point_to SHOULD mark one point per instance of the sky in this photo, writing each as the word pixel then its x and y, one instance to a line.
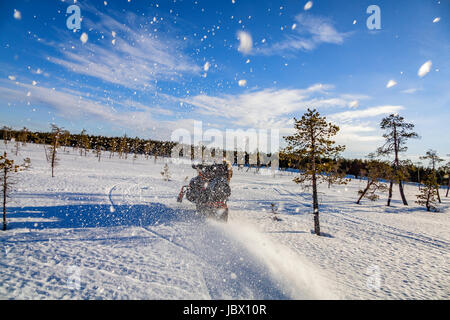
pixel 149 68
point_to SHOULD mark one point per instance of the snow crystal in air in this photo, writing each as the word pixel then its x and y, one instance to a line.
pixel 17 14
pixel 354 21
pixel 354 104
pixel 12 78
pixel 436 20
pixel 84 37
pixel 294 26
pixel 391 83
pixel 113 34
pixel 242 83
pixel 113 41
pixel 34 83
pixel 245 42
pixel 424 69
pixel 308 5
pixel 206 66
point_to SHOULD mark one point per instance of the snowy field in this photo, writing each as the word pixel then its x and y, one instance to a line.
pixel 113 230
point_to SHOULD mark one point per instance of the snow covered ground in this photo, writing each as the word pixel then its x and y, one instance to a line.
pixel 113 230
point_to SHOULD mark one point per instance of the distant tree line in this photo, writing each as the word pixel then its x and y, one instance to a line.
pixel 85 142
pixel 122 146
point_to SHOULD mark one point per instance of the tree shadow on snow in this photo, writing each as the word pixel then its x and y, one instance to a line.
pixel 95 215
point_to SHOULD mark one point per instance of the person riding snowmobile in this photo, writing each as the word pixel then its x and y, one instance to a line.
pixel 210 189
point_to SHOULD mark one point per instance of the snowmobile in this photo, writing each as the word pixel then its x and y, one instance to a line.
pixel 209 190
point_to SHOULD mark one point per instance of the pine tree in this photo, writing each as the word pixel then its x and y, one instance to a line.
pixel 428 193
pixel 333 173
pixel 7 167
pixel 6 134
pixel 434 160
pixel 56 136
pixel 313 142
pixel 398 132
pixel 165 173
pixel 113 147
pixel 376 171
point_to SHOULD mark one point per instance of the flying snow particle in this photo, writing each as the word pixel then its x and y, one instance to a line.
pixel 17 14
pixel 424 69
pixel 105 3
pixel 113 34
pixel 113 42
pixel 111 209
pixel 263 41
pixel 437 19
pixel 84 37
pixel 308 5
pixel 28 93
pixel 353 104
pixel 233 275
pixel 248 61
pixel 34 83
pixel 294 26
pixel 12 78
pixel 391 83
pixel 354 21
pixel 242 83
pixel 245 42
pixel 206 66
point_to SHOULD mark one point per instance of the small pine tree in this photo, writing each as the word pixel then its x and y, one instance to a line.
pixel 165 173
pixel 376 170
pixel 6 134
pixel 428 193
pixel 56 136
pixel 7 167
pixel 434 160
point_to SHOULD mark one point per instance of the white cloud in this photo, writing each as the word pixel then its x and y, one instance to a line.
pixel 366 113
pixel 77 106
pixel 391 83
pixel 268 108
pixel 411 90
pixel 136 60
pixel 311 31
pixel 245 42
pixel 425 68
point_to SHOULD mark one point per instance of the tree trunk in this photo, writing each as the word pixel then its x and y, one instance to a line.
pixel 448 187
pixel 5 174
pixel 428 200
pixel 364 192
pixel 438 195
pixel 315 203
pixel 391 183
pixel 400 186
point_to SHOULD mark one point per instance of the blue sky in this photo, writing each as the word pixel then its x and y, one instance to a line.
pixel 151 67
